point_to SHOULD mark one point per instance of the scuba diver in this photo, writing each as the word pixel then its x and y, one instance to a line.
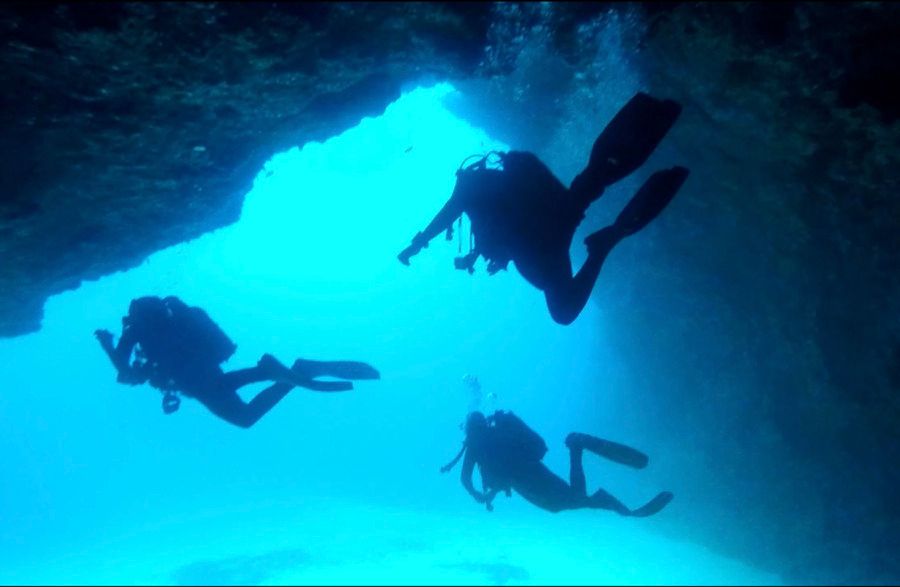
pixel 521 212
pixel 178 348
pixel 508 454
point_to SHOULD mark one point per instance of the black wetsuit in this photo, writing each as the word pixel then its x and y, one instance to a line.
pixel 171 357
pixel 501 471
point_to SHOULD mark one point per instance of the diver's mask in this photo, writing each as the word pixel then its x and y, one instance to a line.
pixel 489 160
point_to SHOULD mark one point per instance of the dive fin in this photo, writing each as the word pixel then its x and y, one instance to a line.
pixel 274 369
pixel 651 199
pixel 627 141
pixel 325 385
pixel 341 369
pixel 654 505
pixel 602 241
pixel 608 449
pixel 278 372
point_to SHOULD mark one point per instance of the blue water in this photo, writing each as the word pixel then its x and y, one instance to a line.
pixel 99 486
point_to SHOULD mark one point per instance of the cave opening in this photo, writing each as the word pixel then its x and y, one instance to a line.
pixel 310 270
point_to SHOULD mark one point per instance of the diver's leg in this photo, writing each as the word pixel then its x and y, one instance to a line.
pixel 233 380
pixel 576 469
pixel 601 499
pixel 543 488
pixel 231 408
pixel 266 400
pixel 567 295
pixel 548 267
pixel 608 449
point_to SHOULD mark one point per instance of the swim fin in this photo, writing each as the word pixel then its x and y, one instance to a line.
pixel 325 385
pixel 608 449
pixel 654 505
pixel 626 142
pixel 278 372
pixel 651 199
pixel 274 369
pixel 340 369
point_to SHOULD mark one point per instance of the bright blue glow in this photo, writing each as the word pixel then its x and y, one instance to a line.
pixel 102 487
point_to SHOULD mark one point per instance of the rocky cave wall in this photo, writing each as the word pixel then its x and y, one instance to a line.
pixel 759 316
pixel 136 126
pixel 131 127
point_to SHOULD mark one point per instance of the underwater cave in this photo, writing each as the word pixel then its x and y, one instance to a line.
pixel 267 162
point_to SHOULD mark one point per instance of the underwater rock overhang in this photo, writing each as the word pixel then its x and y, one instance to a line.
pixel 135 126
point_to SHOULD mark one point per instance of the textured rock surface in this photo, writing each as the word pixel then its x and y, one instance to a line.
pixel 137 126
pixel 760 314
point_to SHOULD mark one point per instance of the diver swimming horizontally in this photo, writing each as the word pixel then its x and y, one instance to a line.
pixel 508 454
pixel 521 212
pixel 178 348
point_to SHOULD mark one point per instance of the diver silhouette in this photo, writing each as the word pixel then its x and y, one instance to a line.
pixel 521 212
pixel 178 348
pixel 508 454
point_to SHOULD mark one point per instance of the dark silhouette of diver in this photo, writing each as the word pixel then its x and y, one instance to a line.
pixel 521 212
pixel 508 454
pixel 178 348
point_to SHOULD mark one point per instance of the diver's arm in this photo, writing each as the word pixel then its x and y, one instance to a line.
pixel 120 354
pixel 468 468
pixel 442 221
pixel 489 499
pixel 116 353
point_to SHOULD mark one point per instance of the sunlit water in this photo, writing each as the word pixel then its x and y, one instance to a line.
pixel 98 485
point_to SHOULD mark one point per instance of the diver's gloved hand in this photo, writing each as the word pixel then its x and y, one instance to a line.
pixel 489 500
pixel 406 253
pixel 418 243
pixel 486 498
pixel 104 336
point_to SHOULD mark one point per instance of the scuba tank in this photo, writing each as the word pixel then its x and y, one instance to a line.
pixel 492 160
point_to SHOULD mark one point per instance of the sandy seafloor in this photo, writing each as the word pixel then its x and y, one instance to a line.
pixel 323 541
